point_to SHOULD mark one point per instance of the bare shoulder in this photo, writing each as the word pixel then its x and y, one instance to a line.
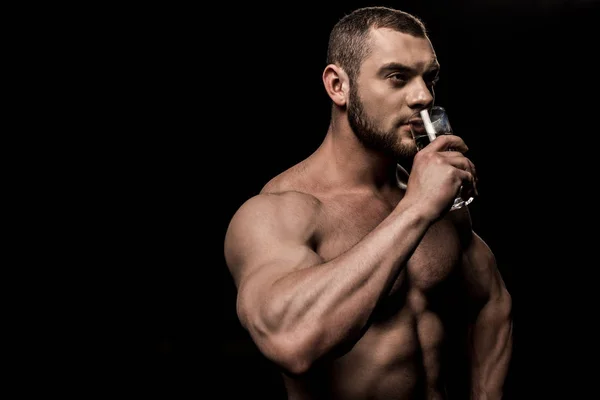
pixel 472 243
pixel 461 219
pixel 284 202
pixel 479 267
pixel 284 211
pixel 268 223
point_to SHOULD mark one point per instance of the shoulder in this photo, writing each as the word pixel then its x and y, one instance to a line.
pixel 276 207
pixel 479 267
pixel 288 214
pixel 461 219
pixel 270 226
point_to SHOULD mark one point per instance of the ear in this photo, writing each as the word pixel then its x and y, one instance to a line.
pixel 336 84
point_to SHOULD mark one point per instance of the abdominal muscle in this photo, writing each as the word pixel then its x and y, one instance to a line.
pixel 397 358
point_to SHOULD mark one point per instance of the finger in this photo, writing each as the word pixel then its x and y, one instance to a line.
pixel 457 155
pixel 447 142
pixel 461 163
pixel 468 183
pixel 451 153
pixel 473 171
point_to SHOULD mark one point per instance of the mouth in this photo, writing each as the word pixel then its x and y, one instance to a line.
pixel 415 122
pixel 415 126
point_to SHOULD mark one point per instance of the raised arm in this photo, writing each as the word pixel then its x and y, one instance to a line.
pixel 296 307
pixel 491 331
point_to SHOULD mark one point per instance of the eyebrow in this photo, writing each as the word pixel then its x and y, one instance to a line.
pixel 395 66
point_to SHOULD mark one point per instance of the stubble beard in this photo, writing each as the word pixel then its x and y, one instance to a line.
pixel 369 134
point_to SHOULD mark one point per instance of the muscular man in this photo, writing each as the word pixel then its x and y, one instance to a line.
pixel 353 276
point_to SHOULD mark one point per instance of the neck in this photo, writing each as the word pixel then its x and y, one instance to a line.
pixel 344 159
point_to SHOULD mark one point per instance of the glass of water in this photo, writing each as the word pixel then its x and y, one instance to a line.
pixel 434 122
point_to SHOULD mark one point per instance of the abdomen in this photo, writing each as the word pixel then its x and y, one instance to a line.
pixel 398 357
pixel 395 359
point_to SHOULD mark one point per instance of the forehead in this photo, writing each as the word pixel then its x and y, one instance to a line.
pixel 390 46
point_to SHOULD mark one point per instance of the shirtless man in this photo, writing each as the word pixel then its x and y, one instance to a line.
pixel 353 276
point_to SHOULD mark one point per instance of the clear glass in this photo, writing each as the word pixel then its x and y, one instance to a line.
pixel 427 128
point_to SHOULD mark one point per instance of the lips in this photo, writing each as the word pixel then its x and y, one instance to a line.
pixel 415 122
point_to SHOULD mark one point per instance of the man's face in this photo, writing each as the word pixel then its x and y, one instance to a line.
pixel 394 82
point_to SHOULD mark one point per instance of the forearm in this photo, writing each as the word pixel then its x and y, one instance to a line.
pixel 491 349
pixel 328 305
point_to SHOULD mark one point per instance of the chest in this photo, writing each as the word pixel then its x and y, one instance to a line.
pixel 347 222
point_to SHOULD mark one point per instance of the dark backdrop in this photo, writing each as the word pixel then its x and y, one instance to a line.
pixel 227 96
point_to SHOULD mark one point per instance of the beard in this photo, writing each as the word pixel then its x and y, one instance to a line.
pixel 372 137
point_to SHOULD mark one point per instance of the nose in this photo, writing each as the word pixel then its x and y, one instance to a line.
pixel 420 96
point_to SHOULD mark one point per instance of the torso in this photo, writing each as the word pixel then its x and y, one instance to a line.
pixel 398 357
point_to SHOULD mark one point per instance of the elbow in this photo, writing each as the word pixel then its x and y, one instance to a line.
pixel 290 348
pixel 293 351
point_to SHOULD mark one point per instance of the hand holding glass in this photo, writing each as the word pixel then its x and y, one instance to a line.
pixel 435 123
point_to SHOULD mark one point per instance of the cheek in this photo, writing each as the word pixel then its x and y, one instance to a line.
pixel 374 96
pixel 381 110
pixel 381 106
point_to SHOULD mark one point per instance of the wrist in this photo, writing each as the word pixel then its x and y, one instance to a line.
pixel 417 210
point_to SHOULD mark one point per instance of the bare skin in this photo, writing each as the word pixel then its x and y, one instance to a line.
pixel 347 278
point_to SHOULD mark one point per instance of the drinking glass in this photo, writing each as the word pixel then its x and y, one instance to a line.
pixel 433 123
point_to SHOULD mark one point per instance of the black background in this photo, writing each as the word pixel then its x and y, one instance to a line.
pixel 223 97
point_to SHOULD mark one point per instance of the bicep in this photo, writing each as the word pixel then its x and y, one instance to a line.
pixel 267 239
pixel 482 278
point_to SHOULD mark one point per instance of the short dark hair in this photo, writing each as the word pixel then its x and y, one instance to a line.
pixel 348 45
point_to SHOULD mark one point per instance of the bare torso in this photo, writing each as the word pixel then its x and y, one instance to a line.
pixel 399 355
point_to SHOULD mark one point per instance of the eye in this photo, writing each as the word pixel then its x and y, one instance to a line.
pixel 431 79
pixel 398 79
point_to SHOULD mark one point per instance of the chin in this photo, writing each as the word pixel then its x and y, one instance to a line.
pixel 405 149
